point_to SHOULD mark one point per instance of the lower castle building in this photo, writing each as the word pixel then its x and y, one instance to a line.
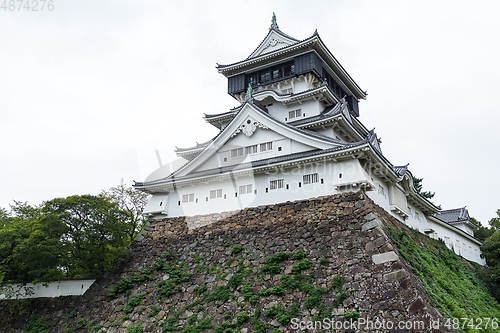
pixel 294 136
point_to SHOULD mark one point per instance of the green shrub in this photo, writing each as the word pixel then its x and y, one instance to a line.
pixel 324 262
pixel 168 254
pixel 352 316
pixel 259 326
pixel 235 281
pixel 237 249
pixel 227 315
pixel 82 323
pixel 276 290
pixel 199 290
pixel 299 254
pixel 242 317
pixel 303 264
pixel 221 293
pixel 272 268
pixel 134 329
pixel 154 311
pixel 277 257
pixel 166 289
pixel 192 319
pixel 338 282
pixel 38 325
pixel 128 309
pixel 341 298
pixel 134 301
pixel 271 312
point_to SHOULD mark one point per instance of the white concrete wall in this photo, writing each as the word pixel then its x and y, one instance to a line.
pixel 287 145
pixel 328 172
pixel 308 108
pixel 51 289
pixel 461 244
pixel 417 220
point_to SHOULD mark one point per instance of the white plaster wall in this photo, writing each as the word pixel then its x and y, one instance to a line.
pixel 277 110
pixel 446 233
pixel 327 131
pixel 299 86
pixel 460 244
pixel 287 145
pixel 260 182
pixel 157 204
pixel 52 289
pixel 465 228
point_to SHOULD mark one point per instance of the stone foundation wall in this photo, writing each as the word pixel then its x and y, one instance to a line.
pixel 347 230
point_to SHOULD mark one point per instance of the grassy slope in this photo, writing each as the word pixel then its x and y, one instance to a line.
pixel 452 283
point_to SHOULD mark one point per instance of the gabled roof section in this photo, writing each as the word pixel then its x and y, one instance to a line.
pixel 258 115
pixel 312 43
pixel 454 215
pixel 274 40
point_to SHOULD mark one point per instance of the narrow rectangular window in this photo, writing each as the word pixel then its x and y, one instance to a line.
pixel 236 152
pixel 215 194
pixel 294 114
pixel 276 184
pixel 188 198
pixel 311 178
pixel 251 150
pixel 266 146
pixel 245 189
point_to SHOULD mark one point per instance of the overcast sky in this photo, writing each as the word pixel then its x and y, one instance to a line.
pixel 90 90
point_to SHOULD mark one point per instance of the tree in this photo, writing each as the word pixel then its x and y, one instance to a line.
pixel 495 222
pixel 29 247
pixel 96 233
pixel 491 252
pixel 131 201
pixel 417 182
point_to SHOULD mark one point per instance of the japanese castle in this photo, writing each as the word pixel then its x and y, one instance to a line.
pixel 295 135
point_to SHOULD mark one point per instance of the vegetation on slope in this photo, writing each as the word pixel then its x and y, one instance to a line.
pixel 453 284
pixel 239 286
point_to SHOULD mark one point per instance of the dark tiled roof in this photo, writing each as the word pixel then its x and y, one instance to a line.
pixel 453 215
pixel 208 116
pixel 326 113
pixel 400 170
pixel 264 162
pixel 198 145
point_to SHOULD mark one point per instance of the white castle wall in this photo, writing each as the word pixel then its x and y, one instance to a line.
pixel 50 289
pixel 461 244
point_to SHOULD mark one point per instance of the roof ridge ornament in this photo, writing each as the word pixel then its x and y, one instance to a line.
pixel 274 23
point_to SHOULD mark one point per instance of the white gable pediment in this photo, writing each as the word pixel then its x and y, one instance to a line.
pixel 273 41
pixel 251 127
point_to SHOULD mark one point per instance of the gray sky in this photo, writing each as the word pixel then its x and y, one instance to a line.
pixel 89 90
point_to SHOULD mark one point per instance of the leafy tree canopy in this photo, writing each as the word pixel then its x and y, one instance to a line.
pixel 77 236
pixel 131 201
